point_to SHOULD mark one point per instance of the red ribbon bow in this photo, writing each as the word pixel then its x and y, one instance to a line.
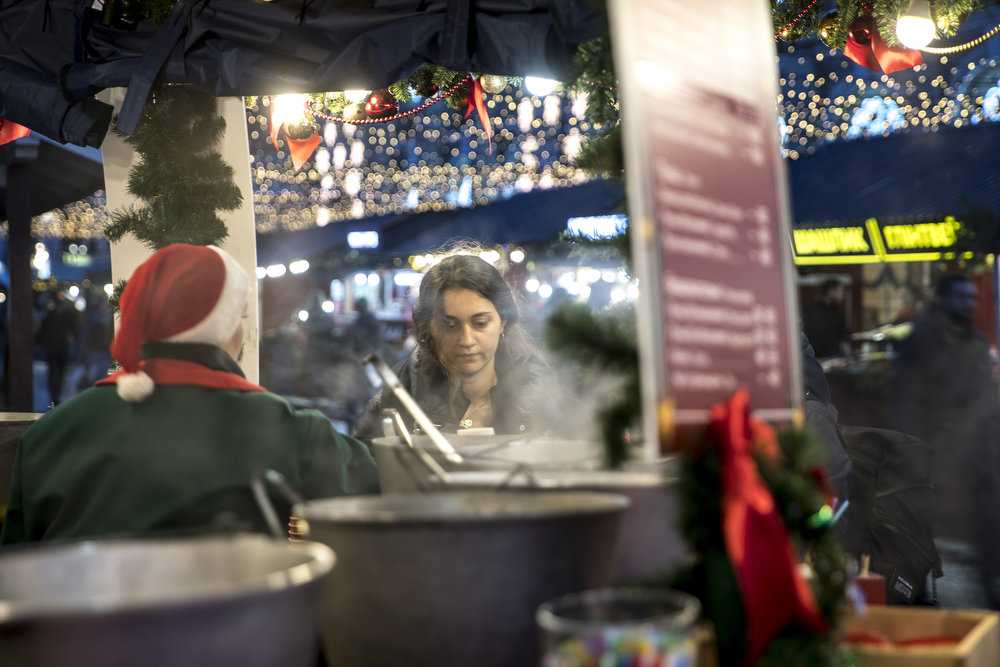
pixel 877 55
pixel 300 150
pixel 476 102
pixel 10 131
pixel 774 591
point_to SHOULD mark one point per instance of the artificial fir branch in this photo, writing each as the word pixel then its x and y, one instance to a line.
pixel 613 248
pixel 115 297
pixel 796 484
pixel 593 72
pixel 602 155
pixel 793 21
pixel 797 489
pixel 179 126
pixel 948 15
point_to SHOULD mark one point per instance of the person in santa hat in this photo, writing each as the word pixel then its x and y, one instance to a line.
pixel 169 444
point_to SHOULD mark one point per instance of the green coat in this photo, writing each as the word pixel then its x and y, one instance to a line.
pixel 178 461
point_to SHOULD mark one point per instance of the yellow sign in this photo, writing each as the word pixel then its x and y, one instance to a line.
pixel 873 242
pixel 927 235
pixel 834 240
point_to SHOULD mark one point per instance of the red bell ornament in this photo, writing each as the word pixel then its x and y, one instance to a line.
pixel 381 104
pixel 862 29
pixel 426 90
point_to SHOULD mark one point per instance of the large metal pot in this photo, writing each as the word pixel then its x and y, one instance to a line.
pixel 454 578
pixel 244 600
pixel 12 425
pixel 401 470
pixel 650 541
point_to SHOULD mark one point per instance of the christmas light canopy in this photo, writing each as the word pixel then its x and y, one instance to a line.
pixel 915 28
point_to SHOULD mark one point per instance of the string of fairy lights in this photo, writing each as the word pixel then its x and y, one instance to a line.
pixel 427 162
pixel 826 97
pixel 820 104
pixel 436 159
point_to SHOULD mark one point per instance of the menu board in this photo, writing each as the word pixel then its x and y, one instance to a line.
pixel 706 186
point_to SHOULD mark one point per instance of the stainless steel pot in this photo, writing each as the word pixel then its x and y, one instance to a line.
pixel 650 542
pixel 401 471
pixel 12 425
pixel 454 578
pixel 244 600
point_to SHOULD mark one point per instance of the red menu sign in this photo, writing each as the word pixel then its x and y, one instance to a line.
pixel 709 208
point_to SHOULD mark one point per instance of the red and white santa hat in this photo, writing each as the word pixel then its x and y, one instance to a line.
pixel 182 294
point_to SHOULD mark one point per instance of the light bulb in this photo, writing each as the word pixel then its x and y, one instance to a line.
pixel 915 28
pixel 289 109
pixel 538 86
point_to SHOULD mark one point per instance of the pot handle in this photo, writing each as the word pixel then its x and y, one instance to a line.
pixel 520 468
pixel 258 484
pixel 438 474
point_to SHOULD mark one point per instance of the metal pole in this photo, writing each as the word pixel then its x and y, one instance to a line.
pixel 20 377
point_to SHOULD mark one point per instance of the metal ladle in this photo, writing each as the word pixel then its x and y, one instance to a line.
pixel 428 427
pixel 445 447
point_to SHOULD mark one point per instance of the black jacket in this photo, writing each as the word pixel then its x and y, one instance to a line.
pixel 524 399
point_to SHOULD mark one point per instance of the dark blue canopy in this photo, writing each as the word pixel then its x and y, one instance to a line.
pixel 918 175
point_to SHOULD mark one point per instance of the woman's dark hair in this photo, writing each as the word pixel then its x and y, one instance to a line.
pixel 462 271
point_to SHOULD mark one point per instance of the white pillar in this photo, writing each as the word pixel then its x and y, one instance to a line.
pixel 241 243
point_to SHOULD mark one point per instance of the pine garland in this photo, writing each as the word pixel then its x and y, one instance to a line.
pixel 179 175
pixel 613 248
pixel 800 498
pixel 948 15
pixel 602 155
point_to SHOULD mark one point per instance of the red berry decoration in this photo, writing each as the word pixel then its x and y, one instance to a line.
pixel 862 30
pixel 381 104
pixel 426 90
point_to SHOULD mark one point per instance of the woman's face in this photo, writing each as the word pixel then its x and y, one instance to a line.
pixel 468 332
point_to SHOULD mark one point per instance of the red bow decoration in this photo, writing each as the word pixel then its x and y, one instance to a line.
pixel 872 51
pixel 10 131
pixel 774 592
pixel 300 150
pixel 476 102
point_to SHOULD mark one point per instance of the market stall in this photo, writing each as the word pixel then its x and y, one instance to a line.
pixel 707 386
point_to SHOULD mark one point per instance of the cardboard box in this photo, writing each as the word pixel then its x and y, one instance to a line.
pixel 978 646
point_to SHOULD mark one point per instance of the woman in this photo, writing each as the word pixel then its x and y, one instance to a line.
pixel 473 366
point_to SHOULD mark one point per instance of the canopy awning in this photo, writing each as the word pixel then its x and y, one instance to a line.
pixel 917 176
pixel 239 48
